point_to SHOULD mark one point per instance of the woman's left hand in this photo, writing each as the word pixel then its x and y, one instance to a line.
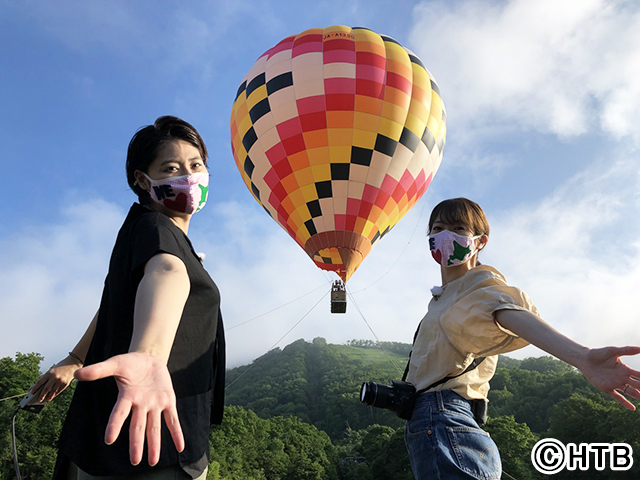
pixel 56 380
pixel 604 369
pixel 145 391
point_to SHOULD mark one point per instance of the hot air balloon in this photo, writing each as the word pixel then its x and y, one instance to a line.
pixel 337 133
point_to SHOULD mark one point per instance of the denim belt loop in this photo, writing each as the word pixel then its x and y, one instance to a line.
pixel 440 400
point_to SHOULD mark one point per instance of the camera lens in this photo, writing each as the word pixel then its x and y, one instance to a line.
pixel 376 395
pixel 399 397
pixel 368 392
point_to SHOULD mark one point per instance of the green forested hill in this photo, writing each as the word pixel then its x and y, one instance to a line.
pixel 294 414
pixel 319 383
pixel 529 399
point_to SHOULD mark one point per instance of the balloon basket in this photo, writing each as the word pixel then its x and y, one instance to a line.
pixel 338 297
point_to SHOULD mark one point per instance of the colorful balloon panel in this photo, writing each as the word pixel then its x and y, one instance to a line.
pixel 337 133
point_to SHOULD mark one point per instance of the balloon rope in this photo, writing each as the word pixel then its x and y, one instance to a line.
pixel 374 333
pixel 277 308
pixel 14 396
pixel 424 204
pixel 281 338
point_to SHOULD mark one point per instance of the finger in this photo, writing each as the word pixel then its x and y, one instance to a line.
pixel 49 391
pixel 53 393
pixel 153 436
pixel 97 371
pixel 173 424
pixel 633 382
pixel 119 414
pixel 41 381
pixel 634 374
pixel 40 389
pixel 623 401
pixel 631 392
pixel 57 389
pixel 136 435
pixel 628 350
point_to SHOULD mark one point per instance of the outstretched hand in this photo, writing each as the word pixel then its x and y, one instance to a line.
pixel 56 380
pixel 604 369
pixel 145 391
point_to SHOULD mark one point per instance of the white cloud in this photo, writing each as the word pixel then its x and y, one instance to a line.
pixel 52 278
pixel 568 252
pixel 577 253
pixel 564 68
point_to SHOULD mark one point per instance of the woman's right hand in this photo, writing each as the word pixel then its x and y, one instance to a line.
pixel 145 393
pixel 54 382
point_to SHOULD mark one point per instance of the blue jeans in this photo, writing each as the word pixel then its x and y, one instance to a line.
pixel 446 443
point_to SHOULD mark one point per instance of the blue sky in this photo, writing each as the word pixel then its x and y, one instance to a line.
pixel 543 109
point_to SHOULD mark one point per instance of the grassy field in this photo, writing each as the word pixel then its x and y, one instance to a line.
pixel 374 356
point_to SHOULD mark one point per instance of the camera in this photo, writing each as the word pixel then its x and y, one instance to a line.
pixel 479 410
pixel 30 402
pixel 399 397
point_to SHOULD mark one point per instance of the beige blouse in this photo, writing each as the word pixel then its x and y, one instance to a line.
pixel 460 326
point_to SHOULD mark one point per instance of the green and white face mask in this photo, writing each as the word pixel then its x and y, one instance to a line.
pixel 184 194
pixel 450 249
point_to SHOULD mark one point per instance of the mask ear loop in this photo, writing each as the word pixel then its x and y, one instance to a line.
pixel 137 184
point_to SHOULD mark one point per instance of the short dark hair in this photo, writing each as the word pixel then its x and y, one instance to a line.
pixel 461 210
pixel 148 141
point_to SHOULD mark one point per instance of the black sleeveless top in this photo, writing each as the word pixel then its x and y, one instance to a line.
pixel 196 362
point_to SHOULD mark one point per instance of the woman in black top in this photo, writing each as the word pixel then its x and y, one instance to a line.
pixel 155 348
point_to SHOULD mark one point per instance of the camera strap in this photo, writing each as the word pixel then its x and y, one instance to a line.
pixel 406 369
pixel 474 364
pixel 476 361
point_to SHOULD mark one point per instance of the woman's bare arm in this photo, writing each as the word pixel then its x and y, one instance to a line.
pixel 144 383
pixel 601 366
pixel 60 376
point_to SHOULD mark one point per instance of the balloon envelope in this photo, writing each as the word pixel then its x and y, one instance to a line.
pixel 337 133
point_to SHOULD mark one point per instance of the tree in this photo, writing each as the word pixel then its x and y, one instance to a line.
pixel 247 447
pixel 515 441
pixel 316 382
pixel 546 364
pixel 36 434
pixel 352 464
pixel 594 419
pixel 311 455
pixel 530 395
pixel 237 444
pixel 376 453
